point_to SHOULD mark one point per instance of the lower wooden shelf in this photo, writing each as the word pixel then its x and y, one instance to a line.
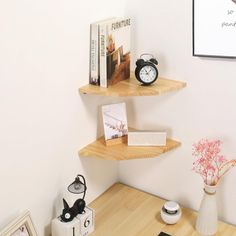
pixel 123 151
pixel 126 211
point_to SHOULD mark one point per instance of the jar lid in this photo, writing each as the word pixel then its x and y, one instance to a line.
pixel 171 206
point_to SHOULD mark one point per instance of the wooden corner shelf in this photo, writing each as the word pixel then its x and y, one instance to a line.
pixel 132 87
pixel 125 88
pixel 124 152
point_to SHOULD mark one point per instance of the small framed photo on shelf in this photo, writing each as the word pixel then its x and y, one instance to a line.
pixel 21 226
pixel 115 123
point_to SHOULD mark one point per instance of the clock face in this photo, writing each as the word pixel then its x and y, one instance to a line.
pixel 148 74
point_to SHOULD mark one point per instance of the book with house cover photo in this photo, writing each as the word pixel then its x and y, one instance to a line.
pixel 114 51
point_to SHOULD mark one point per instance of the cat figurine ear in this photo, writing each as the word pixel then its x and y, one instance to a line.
pixel 65 204
pixel 67 213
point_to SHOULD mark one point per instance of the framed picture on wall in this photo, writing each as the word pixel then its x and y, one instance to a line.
pixel 21 226
pixel 214 28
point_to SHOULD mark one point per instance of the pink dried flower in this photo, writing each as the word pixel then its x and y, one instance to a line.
pixel 208 161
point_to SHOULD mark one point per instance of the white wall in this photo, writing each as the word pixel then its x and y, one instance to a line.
pixel 205 108
pixel 44 56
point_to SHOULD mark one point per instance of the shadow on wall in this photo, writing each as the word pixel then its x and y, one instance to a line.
pixel 97 179
pixel 47 229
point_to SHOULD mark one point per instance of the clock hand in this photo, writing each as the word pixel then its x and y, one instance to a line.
pixel 150 76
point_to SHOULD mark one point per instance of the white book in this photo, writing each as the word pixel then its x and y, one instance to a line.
pixel 114 51
pixel 102 61
pixel 94 46
pixel 94 65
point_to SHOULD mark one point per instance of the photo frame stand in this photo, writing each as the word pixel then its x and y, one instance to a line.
pixel 115 141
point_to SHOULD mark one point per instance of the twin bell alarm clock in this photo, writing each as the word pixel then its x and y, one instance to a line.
pixel 146 71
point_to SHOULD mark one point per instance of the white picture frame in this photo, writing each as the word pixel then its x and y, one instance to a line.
pixel 21 226
pixel 114 121
pixel 214 28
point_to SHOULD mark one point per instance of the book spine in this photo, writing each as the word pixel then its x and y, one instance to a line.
pixel 102 62
pixel 94 63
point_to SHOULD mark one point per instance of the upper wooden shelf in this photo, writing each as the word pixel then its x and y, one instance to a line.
pixel 132 87
pixel 124 152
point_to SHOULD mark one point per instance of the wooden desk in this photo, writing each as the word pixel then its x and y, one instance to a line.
pixel 125 211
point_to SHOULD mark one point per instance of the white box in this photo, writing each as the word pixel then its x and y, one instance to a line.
pixel 146 138
pixel 86 221
pixel 81 225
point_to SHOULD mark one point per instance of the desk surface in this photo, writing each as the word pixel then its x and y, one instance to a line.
pixel 125 211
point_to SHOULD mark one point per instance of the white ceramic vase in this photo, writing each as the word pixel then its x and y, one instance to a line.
pixel 207 220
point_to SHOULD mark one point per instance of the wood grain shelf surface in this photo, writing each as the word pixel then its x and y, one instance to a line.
pixel 132 87
pixel 126 211
pixel 124 152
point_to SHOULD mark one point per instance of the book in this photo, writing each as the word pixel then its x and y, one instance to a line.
pixel 94 69
pixel 114 120
pixel 94 46
pixel 114 51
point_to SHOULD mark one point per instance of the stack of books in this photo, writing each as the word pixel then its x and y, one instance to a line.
pixel 109 51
